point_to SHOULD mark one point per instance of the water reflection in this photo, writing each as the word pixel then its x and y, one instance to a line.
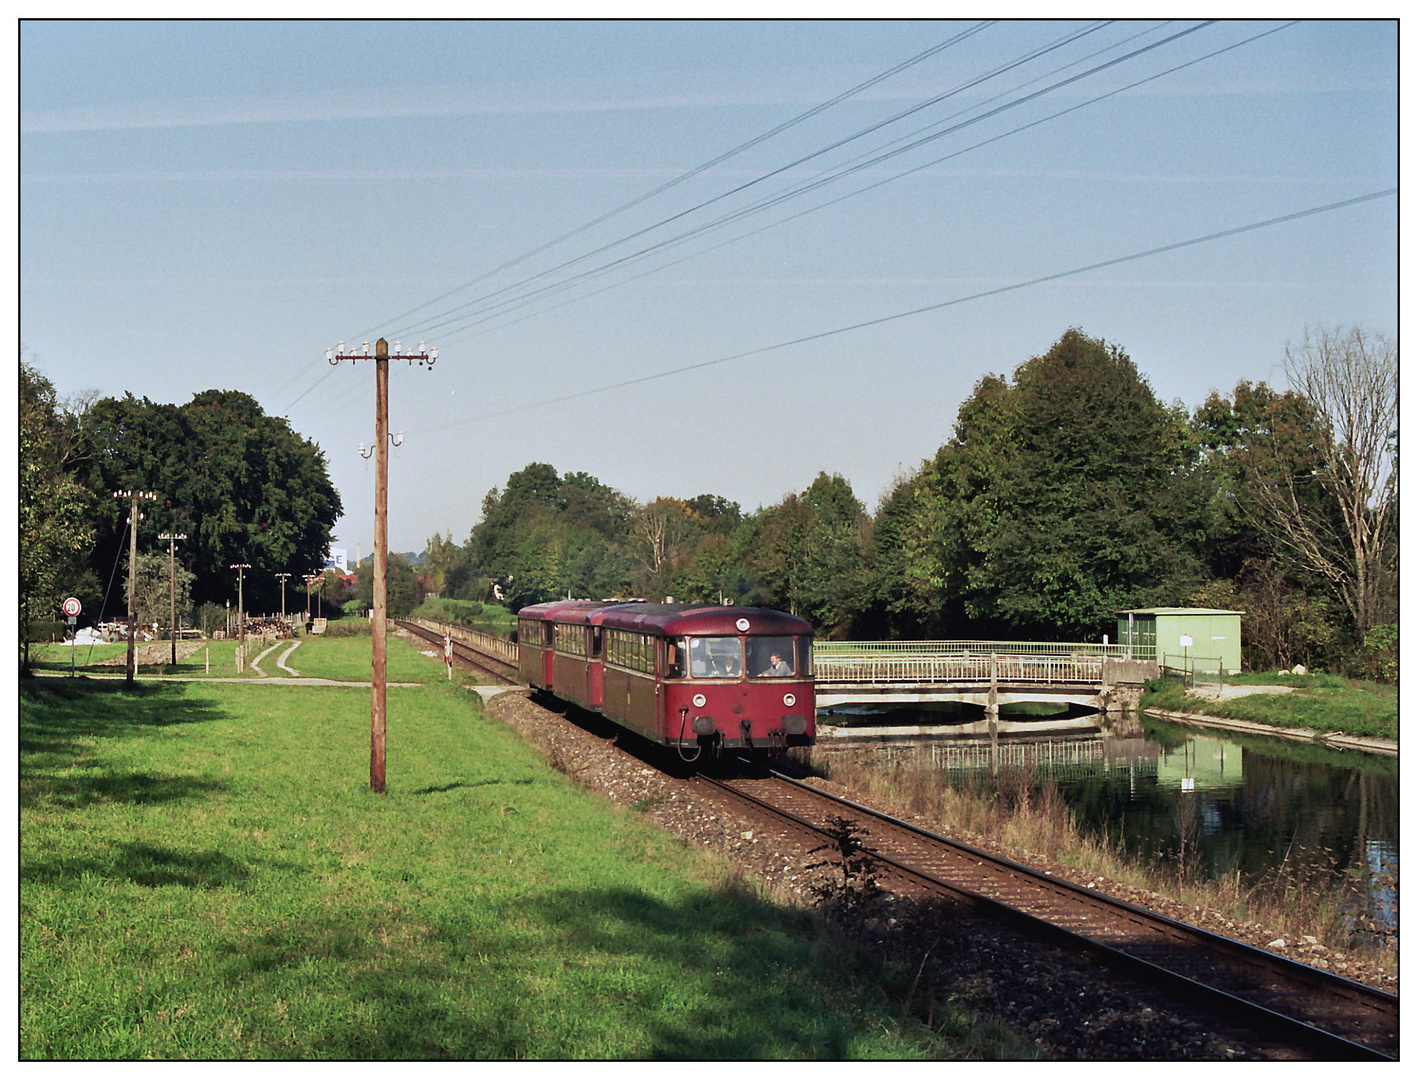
pixel 1289 816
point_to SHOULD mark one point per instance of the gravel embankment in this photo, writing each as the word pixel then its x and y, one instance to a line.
pixel 1065 1008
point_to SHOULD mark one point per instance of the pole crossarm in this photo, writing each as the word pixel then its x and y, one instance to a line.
pixel 425 356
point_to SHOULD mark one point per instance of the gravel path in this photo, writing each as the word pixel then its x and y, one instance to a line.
pixel 1064 1008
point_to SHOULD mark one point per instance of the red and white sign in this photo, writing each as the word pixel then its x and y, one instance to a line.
pixel 72 606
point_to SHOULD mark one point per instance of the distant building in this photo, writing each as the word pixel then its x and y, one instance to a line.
pixel 339 558
pixel 1177 633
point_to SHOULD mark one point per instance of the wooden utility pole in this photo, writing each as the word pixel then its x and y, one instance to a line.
pixel 133 497
pixel 379 624
pixel 381 563
pixel 240 569
pixel 172 539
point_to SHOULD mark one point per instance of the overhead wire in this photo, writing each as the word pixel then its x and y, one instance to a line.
pixel 718 159
pixel 698 169
pixel 823 180
pixel 891 179
pixel 928 308
pixel 451 316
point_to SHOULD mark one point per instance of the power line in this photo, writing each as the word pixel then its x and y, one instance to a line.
pixel 451 316
pixel 823 180
pixel 718 160
pixel 1135 256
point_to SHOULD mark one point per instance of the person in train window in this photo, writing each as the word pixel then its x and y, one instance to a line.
pixel 777 665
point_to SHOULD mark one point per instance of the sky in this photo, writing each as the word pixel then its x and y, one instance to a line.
pixel 686 257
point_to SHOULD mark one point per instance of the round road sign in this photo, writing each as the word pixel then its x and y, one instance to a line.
pixel 72 606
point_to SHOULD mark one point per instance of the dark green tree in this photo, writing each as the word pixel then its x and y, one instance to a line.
pixel 1066 494
pixel 241 485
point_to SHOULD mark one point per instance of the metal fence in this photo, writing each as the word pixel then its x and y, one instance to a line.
pixel 1196 672
pixel 487 644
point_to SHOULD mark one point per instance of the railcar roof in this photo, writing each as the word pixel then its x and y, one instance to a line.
pixel 561 610
pixel 677 619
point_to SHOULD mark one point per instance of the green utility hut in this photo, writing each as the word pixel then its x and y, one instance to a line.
pixel 1177 632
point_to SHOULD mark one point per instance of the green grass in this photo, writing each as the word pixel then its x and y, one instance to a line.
pixel 1325 703
pixel 344 659
pixel 205 874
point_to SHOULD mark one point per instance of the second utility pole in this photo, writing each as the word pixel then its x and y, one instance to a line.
pixel 381 563
pixel 379 623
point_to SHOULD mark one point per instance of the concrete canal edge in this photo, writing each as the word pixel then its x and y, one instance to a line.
pixel 1332 739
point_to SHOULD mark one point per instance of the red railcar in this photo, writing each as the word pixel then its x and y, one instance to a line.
pixel 692 676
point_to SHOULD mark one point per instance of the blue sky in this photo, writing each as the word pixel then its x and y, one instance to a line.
pixel 215 204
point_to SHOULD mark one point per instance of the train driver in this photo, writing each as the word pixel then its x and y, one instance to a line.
pixel 777 665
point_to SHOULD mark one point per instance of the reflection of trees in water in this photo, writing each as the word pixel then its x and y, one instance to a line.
pixel 1292 831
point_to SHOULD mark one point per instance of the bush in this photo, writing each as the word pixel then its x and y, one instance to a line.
pixel 1377 658
pixel 449 610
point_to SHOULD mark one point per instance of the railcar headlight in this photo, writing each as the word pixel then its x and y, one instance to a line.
pixel 699 700
pixel 790 700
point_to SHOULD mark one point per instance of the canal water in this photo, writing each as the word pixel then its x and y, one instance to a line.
pixel 1215 805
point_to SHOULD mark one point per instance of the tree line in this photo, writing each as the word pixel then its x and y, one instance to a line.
pixel 240 486
pixel 1066 492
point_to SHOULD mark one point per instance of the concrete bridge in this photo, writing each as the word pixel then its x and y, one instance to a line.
pixel 1108 678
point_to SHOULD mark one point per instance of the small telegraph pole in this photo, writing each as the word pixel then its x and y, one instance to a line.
pixel 283 595
pixel 381 358
pixel 133 496
pixel 172 539
pixel 240 569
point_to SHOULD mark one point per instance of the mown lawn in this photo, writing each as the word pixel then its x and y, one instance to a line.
pixel 204 874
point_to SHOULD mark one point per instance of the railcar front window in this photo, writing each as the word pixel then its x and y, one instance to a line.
pixel 715 658
pixel 772 657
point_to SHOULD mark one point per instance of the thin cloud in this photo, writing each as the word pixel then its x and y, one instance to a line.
pixel 353 104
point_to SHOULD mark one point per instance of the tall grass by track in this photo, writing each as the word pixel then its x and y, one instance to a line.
pixel 204 874
pixel 1019 813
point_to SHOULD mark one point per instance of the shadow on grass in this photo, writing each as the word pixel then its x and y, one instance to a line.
pixel 144 864
pixel 60 719
pixel 54 712
pixel 475 784
pixel 606 974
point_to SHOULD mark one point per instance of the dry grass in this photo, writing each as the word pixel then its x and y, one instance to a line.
pixel 1030 817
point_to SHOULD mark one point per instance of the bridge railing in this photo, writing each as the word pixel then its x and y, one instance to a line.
pixel 1024 648
pixel 964 665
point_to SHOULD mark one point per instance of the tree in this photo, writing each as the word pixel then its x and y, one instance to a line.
pixel 54 531
pixel 241 485
pixel 808 555
pixel 153 592
pixel 1350 378
pixel 1065 494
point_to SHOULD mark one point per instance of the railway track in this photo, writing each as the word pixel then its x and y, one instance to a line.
pixel 463 655
pixel 1279 1002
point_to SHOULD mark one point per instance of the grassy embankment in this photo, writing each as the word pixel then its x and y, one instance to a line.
pixel 1323 703
pixel 204 874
